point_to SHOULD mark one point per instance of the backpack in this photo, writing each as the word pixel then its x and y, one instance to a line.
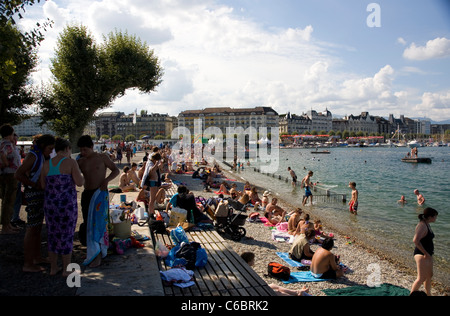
pixel 278 271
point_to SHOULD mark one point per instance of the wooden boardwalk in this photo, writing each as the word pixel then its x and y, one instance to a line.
pixel 226 273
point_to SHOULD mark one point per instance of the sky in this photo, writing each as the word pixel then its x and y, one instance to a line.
pixel 347 56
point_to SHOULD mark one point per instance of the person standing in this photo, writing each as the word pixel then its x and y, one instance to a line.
pixel 29 174
pixel 294 176
pixel 354 201
pixel 420 197
pixel 93 166
pixel 306 183
pixel 60 176
pixel 424 250
pixel 151 180
pixel 9 163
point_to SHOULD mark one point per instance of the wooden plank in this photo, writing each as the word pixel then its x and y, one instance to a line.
pixel 225 274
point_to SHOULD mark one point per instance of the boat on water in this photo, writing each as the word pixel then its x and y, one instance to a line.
pixel 414 144
pixel 417 160
pixel 321 152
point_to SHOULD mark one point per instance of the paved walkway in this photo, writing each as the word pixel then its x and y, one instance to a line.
pixel 135 273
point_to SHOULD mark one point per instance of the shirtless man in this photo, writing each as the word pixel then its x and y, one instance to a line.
pixel 324 263
pixel 306 183
pixel 420 197
pixel 93 166
pixel 354 201
pixel 293 175
pixel 274 213
pixel 124 182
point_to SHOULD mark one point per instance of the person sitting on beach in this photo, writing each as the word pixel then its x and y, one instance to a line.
pixel 300 249
pixel 319 231
pixel 304 225
pixel 133 176
pixel 274 213
pixel 247 187
pixel 124 183
pixel 224 188
pixel 234 192
pixel 293 221
pixel 324 264
pixel 265 199
pixel 402 200
pixel 420 197
pixel 254 196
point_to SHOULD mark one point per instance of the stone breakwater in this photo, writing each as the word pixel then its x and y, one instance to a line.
pixel 366 266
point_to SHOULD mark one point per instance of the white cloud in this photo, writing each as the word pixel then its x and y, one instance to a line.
pixel 435 105
pixel 401 41
pixel 437 48
pixel 212 57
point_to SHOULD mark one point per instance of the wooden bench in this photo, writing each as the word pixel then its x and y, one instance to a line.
pixel 225 274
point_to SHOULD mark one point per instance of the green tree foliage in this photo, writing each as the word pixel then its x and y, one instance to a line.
pixel 9 10
pixel 18 60
pixel 87 77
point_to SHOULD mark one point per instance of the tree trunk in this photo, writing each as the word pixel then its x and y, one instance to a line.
pixel 73 138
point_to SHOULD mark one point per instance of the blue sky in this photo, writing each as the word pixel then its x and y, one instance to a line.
pixel 293 55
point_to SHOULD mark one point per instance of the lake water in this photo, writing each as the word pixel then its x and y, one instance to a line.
pixel 381 180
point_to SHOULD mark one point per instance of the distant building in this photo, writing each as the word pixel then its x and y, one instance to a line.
pixel 294 124
pixel 30 127
pixel 224 117
pixel 117 123
pixel 362 123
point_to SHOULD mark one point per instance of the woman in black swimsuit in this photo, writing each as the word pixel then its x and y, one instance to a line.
pixel 423 239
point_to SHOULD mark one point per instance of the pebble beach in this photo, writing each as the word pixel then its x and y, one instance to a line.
pixel 366 266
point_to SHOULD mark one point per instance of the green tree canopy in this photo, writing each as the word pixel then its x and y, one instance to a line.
pixel 87 77
pixel 18 60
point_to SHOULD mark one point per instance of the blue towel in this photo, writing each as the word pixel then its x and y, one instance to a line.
pixel 292 263
pixel 97 226
pixel 302 276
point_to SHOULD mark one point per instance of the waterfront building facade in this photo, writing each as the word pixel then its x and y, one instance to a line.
pixel 223 117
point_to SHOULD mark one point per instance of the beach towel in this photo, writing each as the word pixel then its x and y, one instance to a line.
pixel 302 276
pixel 288 260
pixel 97 226
pixel 281 236
pixel 384 290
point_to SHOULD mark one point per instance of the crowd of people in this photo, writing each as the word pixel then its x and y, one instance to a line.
pixel 46 179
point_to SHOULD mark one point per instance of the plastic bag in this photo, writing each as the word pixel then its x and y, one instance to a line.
pixel 178 235
pixel 177 216
pixel 161 249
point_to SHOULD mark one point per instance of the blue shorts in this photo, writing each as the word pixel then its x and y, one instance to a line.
pixel 308 192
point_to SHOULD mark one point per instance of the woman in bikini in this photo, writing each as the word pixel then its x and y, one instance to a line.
pixel 151 179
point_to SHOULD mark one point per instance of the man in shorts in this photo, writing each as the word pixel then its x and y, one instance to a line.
pixel 306 183
pixel 354 201
pixel 293 175
pixel 93 166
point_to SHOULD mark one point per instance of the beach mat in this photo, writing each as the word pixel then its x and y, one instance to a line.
pixel 384 290
pixel 288 260
pixel 302 276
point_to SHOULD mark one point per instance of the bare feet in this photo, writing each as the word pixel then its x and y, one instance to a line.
pixel 55 271
pixel 96 262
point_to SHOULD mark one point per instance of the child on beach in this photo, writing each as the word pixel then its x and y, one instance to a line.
pixel 354 201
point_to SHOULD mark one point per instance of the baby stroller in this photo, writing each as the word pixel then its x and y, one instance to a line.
pixel 229 219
